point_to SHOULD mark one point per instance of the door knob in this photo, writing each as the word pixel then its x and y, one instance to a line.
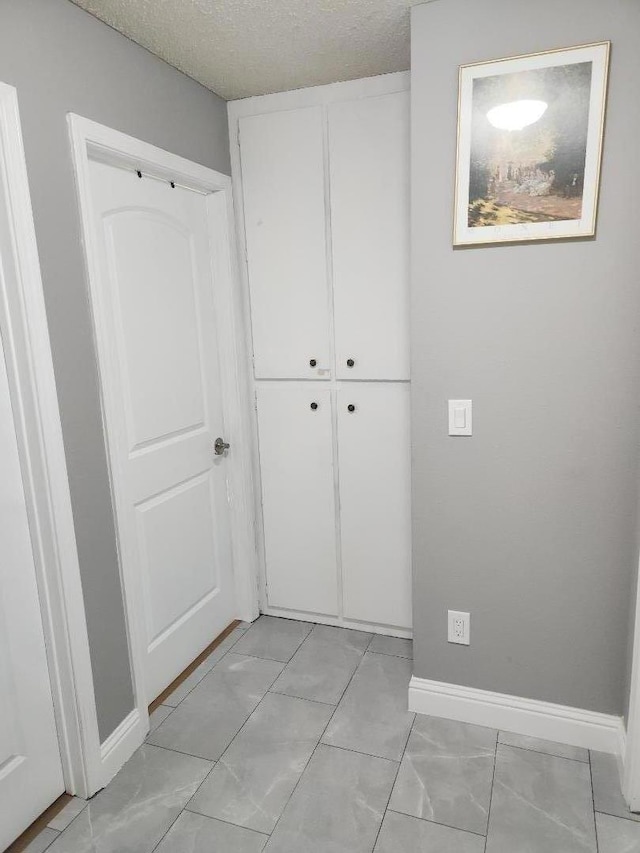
pixel 350 362
pixel 351 407
pixel 220 445
pixel 312 362
pixel 314 406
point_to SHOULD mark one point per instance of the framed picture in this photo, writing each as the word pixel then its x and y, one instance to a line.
pixel 529 146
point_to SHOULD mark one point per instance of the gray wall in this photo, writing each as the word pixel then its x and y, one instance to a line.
pixel 62 60
pixel 530 524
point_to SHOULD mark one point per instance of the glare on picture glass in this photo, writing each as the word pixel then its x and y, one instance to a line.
pixel 516 114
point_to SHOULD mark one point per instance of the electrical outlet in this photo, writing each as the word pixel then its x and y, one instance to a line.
pixel 459 627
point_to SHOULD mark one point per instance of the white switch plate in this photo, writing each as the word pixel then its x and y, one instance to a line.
pixel 459 627
pixel 460 417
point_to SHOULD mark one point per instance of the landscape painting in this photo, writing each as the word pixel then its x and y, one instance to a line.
pixel 529 146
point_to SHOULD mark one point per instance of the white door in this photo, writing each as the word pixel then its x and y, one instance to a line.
pixel 296 466
pixel 30 769
pixel 375 504
pixel 282 159
pixel 164 412
pixel 369 156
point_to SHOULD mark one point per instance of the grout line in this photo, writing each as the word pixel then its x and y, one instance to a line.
pixel 298 647
pixel 194 665
pixel 172 709
pixel 539 752
pixel 493 780
pixel 315 749
pixel 75 817
pixel 439 823
pixel 360 752
pixel 386 808
pixel 228 746
pixel 267 691
pixel 180 752
pixel 395 778
pixel 301 698
pixel 387 654
pixel 264 835
pixel 170 827
pixel 620 817
pixel 593 802
pixel 222 656
pixel 184 808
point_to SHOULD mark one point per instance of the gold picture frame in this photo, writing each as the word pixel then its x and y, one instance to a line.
pixel 529 146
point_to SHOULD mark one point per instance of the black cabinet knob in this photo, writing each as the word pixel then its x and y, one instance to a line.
pixel 351 407
pixel 312 362
pixel 314 406
pixel 350 362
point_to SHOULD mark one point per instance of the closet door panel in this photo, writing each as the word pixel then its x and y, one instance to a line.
pixel 369 175
pixel 375 511
pixel 296 459
pixel 282 157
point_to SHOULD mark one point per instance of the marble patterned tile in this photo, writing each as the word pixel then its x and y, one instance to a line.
pixel 212 714
pixel 273 638
pixel 157 717
pixel 403 834
pixel 338 805
pixel 64 817
pixel 255 777
pixel 137 807
pixel 322 667
pixel 372 716
pixel 396 646
pixel 540 803
pixel 617 835
pixel 446 774
pixel 549 747
pixel 42 841
pixel 183 690
pixel 607 795
pixel 193 833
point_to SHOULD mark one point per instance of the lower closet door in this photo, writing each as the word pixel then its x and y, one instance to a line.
pixel 296 464
pixel 375 503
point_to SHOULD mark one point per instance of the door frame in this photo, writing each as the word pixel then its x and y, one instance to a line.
pixel 93 141
pixel 44 472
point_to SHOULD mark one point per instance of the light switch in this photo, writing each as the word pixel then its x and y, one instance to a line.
pixel 460 417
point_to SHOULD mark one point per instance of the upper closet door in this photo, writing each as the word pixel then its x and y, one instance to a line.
pixel 369 159
pixel 282 160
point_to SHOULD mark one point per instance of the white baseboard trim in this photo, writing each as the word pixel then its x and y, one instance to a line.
pixel 560 723
pixel 121 744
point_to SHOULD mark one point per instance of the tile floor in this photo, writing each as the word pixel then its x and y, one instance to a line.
pixel 295 738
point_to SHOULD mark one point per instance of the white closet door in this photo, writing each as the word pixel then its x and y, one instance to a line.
pixel 375 510
pixel 296 459
pixel 369 157
pixel 282 161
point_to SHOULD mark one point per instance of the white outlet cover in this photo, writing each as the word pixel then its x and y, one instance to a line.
pixel 459 627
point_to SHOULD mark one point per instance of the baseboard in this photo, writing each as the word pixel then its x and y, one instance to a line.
pixel 121 744
pixel 574 726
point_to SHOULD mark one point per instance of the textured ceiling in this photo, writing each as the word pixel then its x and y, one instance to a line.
pixel 239 48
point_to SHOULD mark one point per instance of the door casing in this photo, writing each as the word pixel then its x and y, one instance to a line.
pixel 93 141
pixel 29 366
